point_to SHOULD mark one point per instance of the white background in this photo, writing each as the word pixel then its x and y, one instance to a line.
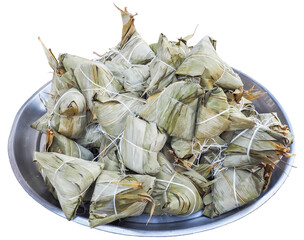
pixel 263 39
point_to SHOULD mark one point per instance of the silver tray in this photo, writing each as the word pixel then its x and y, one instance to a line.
pixel 24 140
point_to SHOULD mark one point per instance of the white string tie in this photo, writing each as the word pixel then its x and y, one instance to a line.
pixel 108 146
pixel 79 152
pixel 259 125
pixel 114 200
pixel 134 145
pixel 215 116
pixel 105 188
pixel 170 181
pixel 169 66
pixel 129 58
pixel 234 189
pixel 157 102
pixel 240 134
pixel 60 99
pixel 120 54
pixel 61 165
pixel 52 113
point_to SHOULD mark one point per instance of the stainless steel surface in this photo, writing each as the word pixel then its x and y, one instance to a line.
pixel 24 140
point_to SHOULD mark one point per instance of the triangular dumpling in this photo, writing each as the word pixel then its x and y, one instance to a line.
pixel 71 177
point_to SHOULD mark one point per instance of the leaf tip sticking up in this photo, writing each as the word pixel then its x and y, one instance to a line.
pixel 253 93
pixel 128 24
pixel 188 37
pixel 49 54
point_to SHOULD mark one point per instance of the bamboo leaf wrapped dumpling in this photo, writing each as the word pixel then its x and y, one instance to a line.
pixel 56 142
pixel 68 115
pixel 58 86
pixel 135 78
pixel 132 77
pixel 132 49
pixel 174 109
pixel 140 145
pixel 213 115
pixel 96 80
pixel 202 61
pixel 238 119
pixel 267 142
pixel 112 113
pixel 234 187
pixel 174 194
pixel 70 63
pixel 118 196
pixel 71 177
pixel 169 57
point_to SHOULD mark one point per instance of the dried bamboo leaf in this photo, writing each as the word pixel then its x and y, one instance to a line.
pixel 67 115
pixel 96 80
pixel 93 138
pixel 140 145
pixel 266 143
pixel 233 188
pixel 56 142
pixel 204 62
pixel 238 120
pixel 174 109
pixel 212 118
pixel 169 57
pixel 113 112
pixel 118 196
pixel 110 160
pixel 174 194
pixel 71 177
pixel 184 148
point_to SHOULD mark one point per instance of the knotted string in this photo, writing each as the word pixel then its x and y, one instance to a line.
pixel 205 147
pixel 109 145
pixel 113 140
